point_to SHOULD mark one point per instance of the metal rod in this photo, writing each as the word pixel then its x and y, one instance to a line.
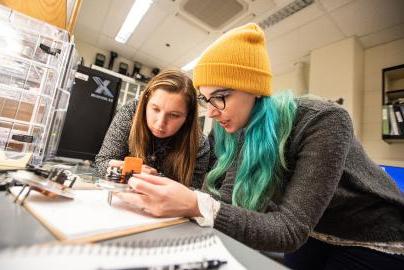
pixel 110 197
pixel 26 196
pixel 72 182
pixel 22 189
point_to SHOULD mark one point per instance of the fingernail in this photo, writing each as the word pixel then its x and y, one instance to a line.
pixel 133 183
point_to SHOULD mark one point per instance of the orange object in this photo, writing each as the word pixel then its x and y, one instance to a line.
pixel 132 165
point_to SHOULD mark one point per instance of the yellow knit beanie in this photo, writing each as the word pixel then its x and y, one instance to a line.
pixel 237 60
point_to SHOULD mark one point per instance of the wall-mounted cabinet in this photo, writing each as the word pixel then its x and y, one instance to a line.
pixel 393 104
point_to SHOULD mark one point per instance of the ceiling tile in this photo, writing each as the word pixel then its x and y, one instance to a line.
pixel 180 35
pixel 86 34
pixel 363 17
pixel 92 14
pixel 260 7
pixel 384 36
pixel 154 19
pixel 168 6
pixel 249 17
pixel 115 17
pixel 294 21
pixel 194 52
pixel 330 5
pixel 285 48
pixel 282 3
pixel 318 33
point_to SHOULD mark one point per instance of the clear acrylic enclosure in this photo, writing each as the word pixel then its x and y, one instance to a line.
pixel 37 64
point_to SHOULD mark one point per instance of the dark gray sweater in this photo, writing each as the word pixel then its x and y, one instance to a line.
pixel 115 146
pixel 332 187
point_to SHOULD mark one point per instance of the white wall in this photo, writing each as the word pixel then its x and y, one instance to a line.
pixel 344 69
pixel 375 59
pixel 295 80
pixel 336 71
pixel 88 52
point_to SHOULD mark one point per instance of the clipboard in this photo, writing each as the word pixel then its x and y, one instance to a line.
pixel 89 218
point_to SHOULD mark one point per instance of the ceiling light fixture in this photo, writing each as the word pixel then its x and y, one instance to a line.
pixel 190 65
pixel 285 12
pixel 135 15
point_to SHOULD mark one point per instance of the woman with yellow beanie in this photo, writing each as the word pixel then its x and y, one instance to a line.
pixel 287 174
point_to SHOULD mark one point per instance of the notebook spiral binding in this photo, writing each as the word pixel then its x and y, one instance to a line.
pixel 120 248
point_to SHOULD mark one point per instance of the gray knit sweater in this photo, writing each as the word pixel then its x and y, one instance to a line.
pixel 115 146
pixel 332 187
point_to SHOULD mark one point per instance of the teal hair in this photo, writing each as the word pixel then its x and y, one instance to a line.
pixel 262 153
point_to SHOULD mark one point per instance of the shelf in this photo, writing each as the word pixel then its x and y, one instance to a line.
pixel 32 62
pixel 393 138
pixel 390 162
pixel 394 96
pixel 30 92
pixel 397 91
pixel 392 103
pixel 25 75
pixel 393 85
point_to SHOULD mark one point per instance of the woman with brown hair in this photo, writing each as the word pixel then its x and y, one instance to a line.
pixel 162 129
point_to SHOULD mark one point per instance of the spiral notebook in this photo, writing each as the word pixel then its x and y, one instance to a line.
pixel 89 217
pixel 127 255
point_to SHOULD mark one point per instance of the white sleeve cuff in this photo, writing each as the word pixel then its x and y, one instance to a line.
pixel 208 207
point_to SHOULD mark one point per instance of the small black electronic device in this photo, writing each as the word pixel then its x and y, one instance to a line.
pixel 112 57
pixel 155 71
pixel 123 68
pixel 99 59
pixel 136 69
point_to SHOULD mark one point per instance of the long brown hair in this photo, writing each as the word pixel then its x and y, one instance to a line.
pixel 181 159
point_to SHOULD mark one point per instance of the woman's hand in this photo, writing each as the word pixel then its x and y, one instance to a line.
pixel 115 163
pixel 161 197
pixel 149 170
pixel 145 168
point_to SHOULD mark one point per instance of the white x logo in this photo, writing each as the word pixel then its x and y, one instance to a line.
pixel 102 87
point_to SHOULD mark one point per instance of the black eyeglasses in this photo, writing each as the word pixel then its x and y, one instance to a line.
pixel 217 100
